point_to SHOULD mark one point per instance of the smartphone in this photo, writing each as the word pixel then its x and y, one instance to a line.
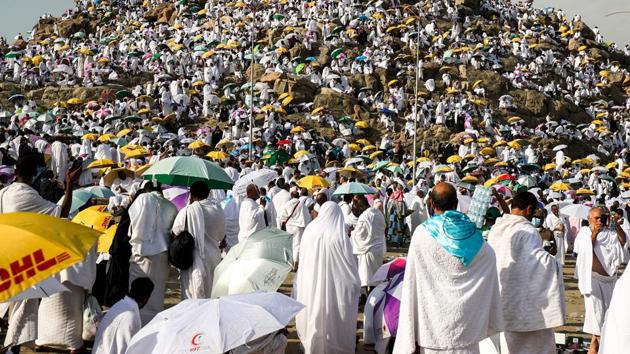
pixel 604 219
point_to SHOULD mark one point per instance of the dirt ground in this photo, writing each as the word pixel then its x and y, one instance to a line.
pixel 572 328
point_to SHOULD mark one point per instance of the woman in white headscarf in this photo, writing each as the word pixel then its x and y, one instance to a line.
pixel 328 284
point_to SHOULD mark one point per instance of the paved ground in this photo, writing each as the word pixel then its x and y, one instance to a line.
pixel 574 301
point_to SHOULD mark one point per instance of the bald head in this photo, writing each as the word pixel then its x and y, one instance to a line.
pixel 443 197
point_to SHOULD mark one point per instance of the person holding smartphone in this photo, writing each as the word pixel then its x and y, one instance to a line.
pixel 599 247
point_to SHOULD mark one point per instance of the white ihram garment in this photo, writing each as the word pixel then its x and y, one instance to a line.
pixel 328 285
pixel 117 327
pixel 616 330
pixel 205 220
pixel 251 218
pixel 151 217
pixel 532 290
pixel 296 221
pixel 597 289
pixel 440 296
pixel 368 243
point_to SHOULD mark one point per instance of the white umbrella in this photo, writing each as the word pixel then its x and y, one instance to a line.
pixel 353 160
pixel 261 262
pixel 214 325
pixel 527 181
pixel 339 141
pixel 579 211
pixel 260 178
pixel 45 288
pixel 559 147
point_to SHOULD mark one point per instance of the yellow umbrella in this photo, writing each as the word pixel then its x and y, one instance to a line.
pixel 106 137
pixel 297 130
pixel 489 183
pixel 363 142
pixel 311 182
pixel 549 166
pixel 284 95
pixel 470 179
pixel 141 169
pixel 585 171
pixel 217 155
pixel 514 119
pixel 363 124
pixel 89 136
pixel 423 159
pixel 224 143
pixel 500 143
pixel 444 169
pixel 299 154
pixel 560 186
pixel 287 100
pixel 368 148
pixel 266 108
pixel 93 219
pixel 584 191
pixel 514 145
pixel 47 243
pixel 490 161
pixel 136 153
pixel 349 171
pixel 354 147
pixel 454 159
pixel 144 111
pixel 597 122
pixel 317 110
pixel 487 151
pixel 501 164
pixel 102 163
pixel 124 132
pixel 197 144
pixel 611 165
pixel 75 101
pixel 376 154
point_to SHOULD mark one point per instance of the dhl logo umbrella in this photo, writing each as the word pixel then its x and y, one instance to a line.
pixel 37 246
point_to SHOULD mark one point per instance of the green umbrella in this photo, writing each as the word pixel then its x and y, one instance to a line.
pixel 120 142
pixel 345 119
pixel 112 118
pixel 260 263
pixel 299 68
pixel 156 56
pixel 354 188
pixel 186 170
pixel 132 119
pixel 380 165
pixel 12 55
pixel 274 157
pixel 123 93
pixel 278 16
pixel 395 169
pixel 335 53
pixel 79 198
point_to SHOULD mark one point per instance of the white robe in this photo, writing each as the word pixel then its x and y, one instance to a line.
pixel 368 243
pixel 117 327
pixel 328 284
pixel 250 218
pixel 23 314
pixel 59 160
pixel 616 331
pixel 205 220
pixel 530 281
pixel 279 200
pixel 231 210
pixel 296 222
pixel 440 296
pixel 556 224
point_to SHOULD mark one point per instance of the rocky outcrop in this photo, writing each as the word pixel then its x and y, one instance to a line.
pixel 163 13
pixel 301 89
pixel 339 104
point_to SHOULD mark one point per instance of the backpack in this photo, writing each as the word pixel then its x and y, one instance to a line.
pixel 180 251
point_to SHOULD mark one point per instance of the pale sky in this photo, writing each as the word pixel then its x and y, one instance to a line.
pixel 21 15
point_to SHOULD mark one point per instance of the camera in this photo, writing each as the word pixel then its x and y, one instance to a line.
pixel 604 219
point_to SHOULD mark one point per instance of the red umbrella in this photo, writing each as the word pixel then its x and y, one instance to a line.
pixel 506 177
pixel 284 142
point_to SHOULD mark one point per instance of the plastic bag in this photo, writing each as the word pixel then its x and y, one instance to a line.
pixel 92 315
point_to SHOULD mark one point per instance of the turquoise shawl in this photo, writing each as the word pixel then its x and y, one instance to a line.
pixel 456 234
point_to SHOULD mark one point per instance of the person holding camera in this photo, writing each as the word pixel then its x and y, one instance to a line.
pixel 599 247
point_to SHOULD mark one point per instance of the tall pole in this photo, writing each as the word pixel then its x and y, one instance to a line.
pixel 251 103
pixel 415 104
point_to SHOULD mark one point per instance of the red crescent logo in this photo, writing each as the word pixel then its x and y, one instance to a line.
pixel 196 339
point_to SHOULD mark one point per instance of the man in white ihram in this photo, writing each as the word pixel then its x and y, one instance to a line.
pixel 20 196
pixel 600 253
pixel 251 217
pixel 151 217
pixel 368 239
pixel 205 221
pixel 450 294
pixel 295 216
pixel 122 321
pixel 559 225
pixel 530 278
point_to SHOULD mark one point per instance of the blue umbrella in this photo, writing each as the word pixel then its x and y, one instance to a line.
pixel 386 111
pixel 79 198
pixel 363 18
pixel 98 191
pixel 310 59
pixel 354 188
pixel 361 58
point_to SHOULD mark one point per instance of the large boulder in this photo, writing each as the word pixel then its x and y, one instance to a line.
pixel 259 71
pixel 492 81
pixel 530 102
pixel 563 109
pixel 163 13
pixel 301 89
pixel 79 23
pixel 584 30
pixel 339 104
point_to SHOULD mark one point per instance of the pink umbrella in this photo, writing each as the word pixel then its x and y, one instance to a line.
pixel 177 195
pixel 388 270
pixel 103 113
